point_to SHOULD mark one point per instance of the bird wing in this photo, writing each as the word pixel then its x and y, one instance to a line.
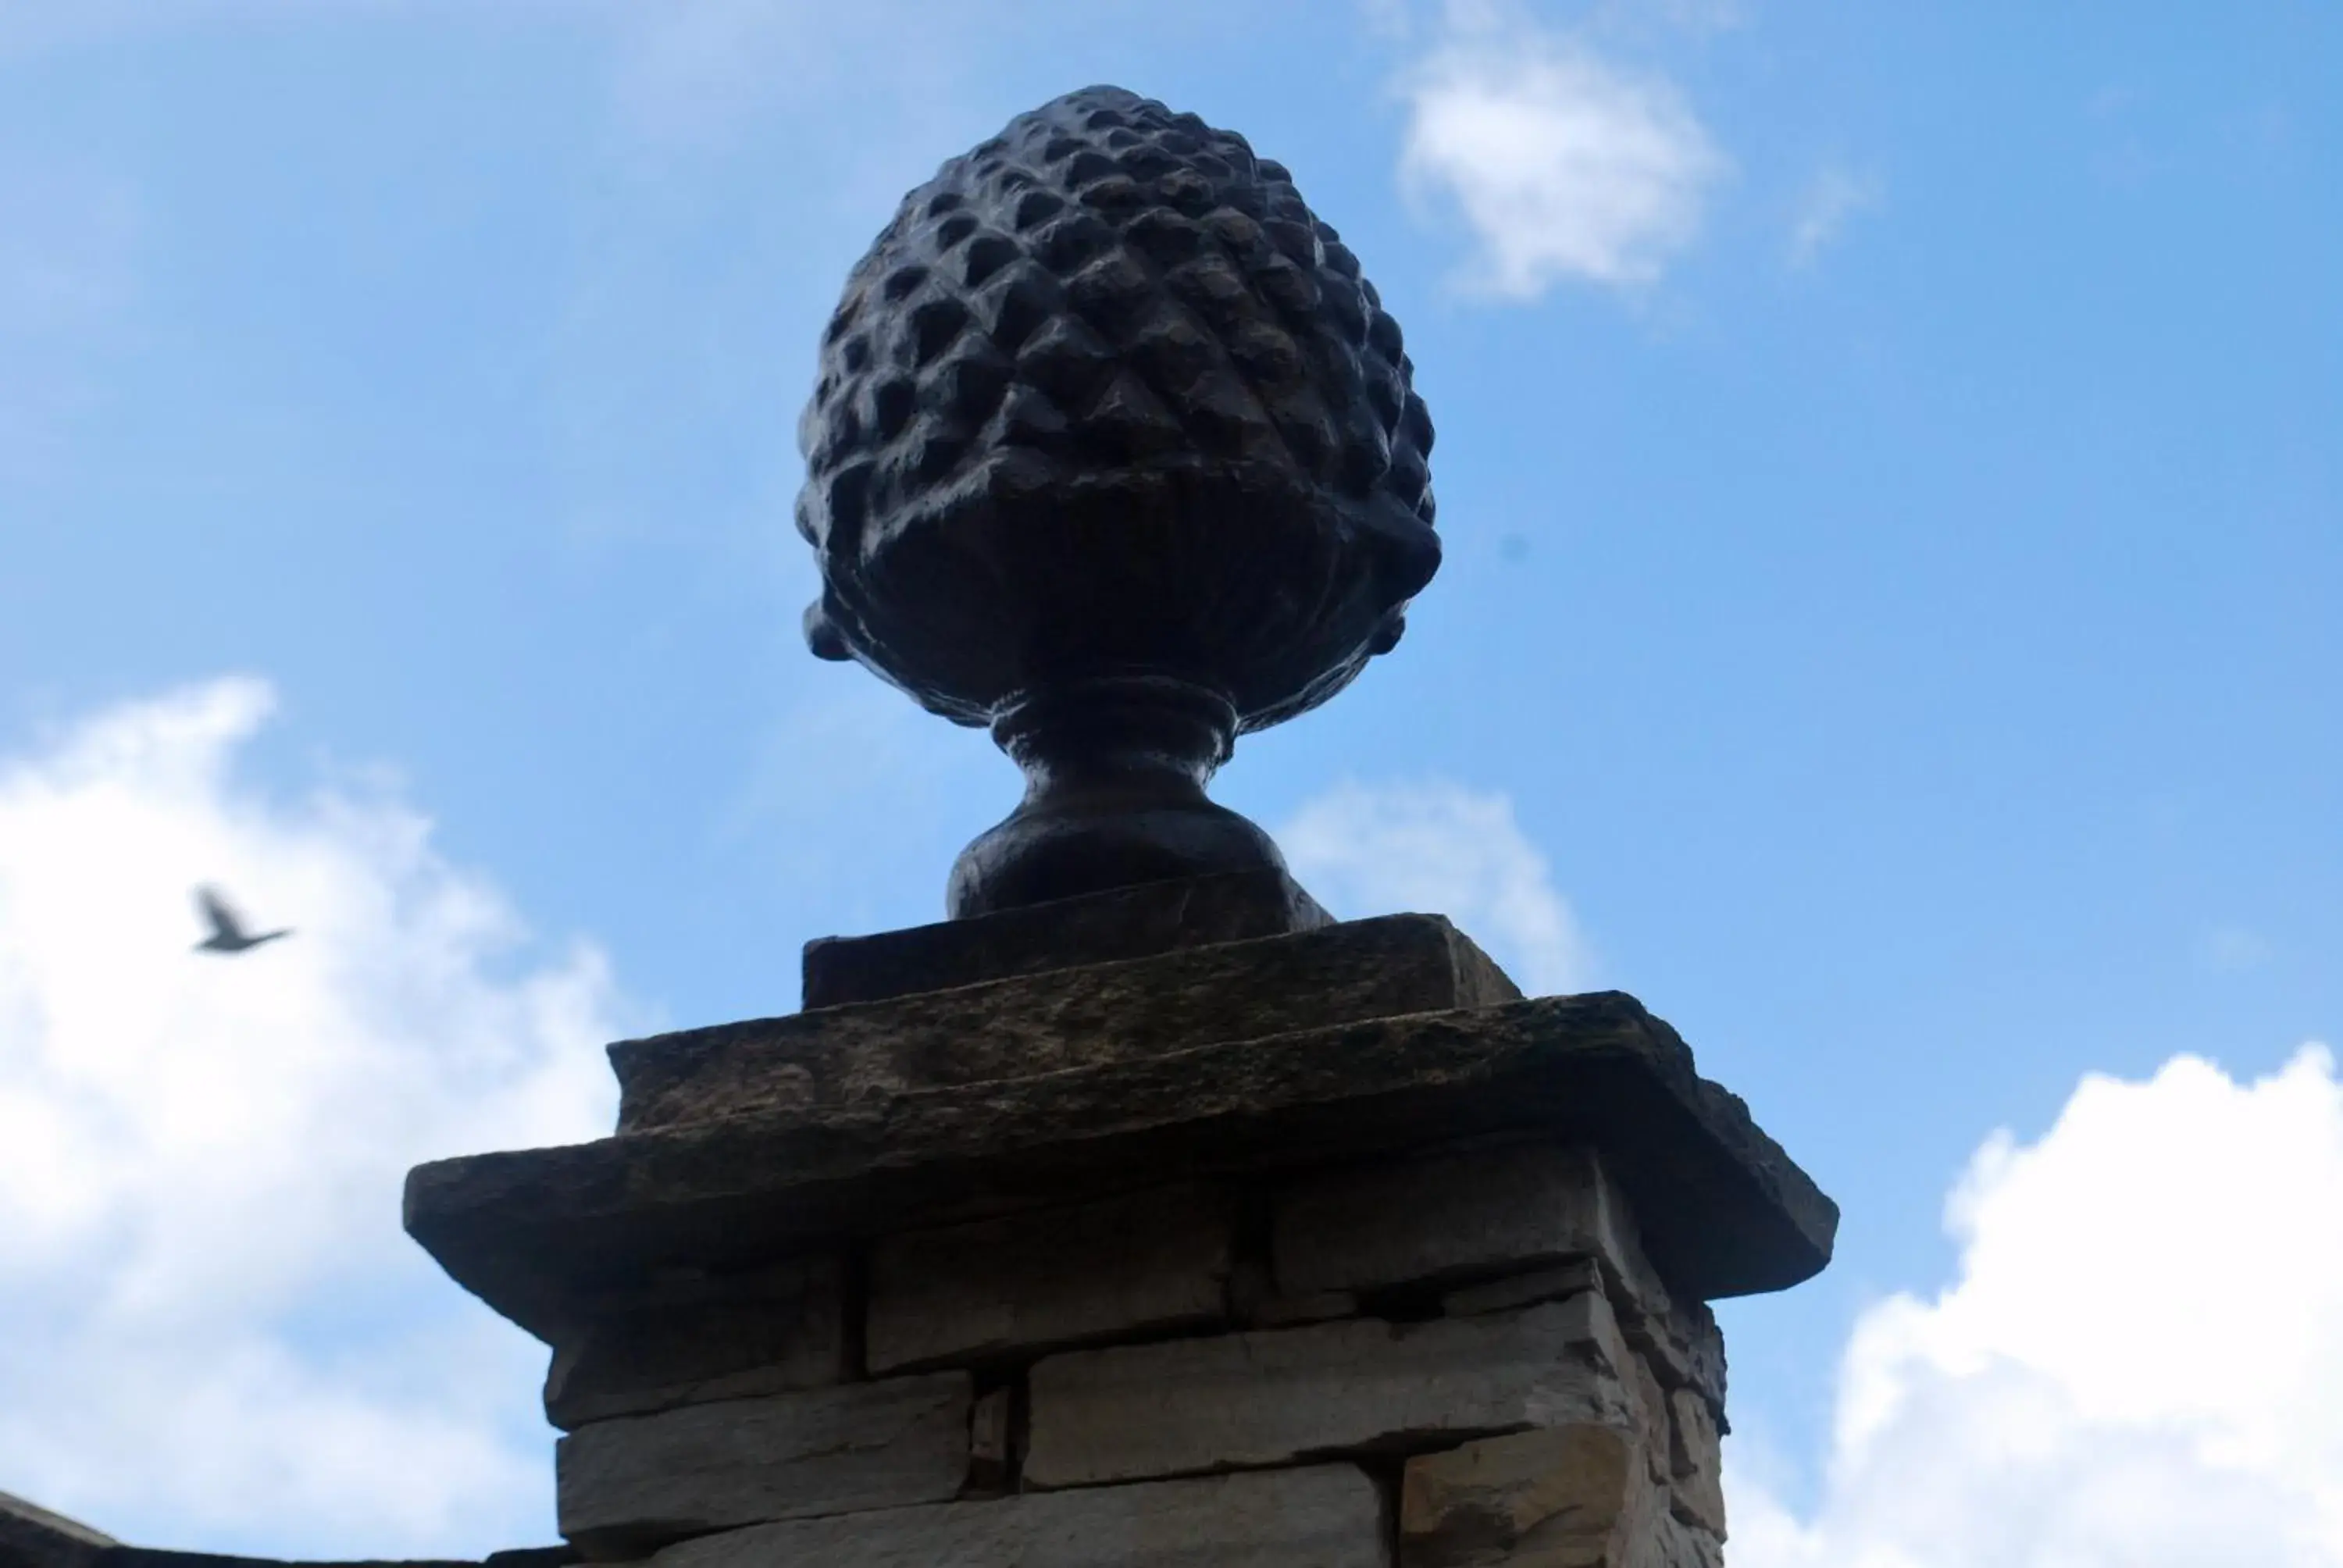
pixel 224 920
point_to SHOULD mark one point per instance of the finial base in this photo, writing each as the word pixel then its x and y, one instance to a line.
pixel 1115 772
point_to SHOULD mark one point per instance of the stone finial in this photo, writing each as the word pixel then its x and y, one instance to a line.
pixel 1115 451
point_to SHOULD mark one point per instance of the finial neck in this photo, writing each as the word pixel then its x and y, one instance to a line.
pixel 1148 732
pixel 1115 769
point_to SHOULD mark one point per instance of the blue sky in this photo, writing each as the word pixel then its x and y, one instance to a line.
pixel 1888 467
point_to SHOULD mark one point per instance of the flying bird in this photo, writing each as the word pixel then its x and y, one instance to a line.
pixel 228 935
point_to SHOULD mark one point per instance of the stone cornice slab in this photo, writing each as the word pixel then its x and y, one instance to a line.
pixel 1725 1212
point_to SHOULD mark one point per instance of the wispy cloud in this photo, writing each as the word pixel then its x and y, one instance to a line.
pixel 1830 199
pixel 212 1332
pixel 2140 1365
pixel 1564 165
pixel 1439 847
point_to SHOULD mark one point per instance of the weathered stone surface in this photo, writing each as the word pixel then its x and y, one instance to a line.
pixel 1695 1461
pixel 1255 1301
pixel 1681 1545
pixel 32 1537
pixel 1364 1385
pixel 1552 1283
pixel 1327 1516
pixel 1134 922
pixel 1046 1022
pixel 1685 1345
pixel 1723 1212
pixel 1150 1262
pixel 1677 1344
pixel 990 1435
pixel 1451 1216
pixel 1569 1497
pixel 627 1485
pixel 1289 1312
pixel 1652 1422
pixel 1560 1282
pixel 766 1331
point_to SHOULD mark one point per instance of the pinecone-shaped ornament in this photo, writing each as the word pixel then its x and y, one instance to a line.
pixel 1114 450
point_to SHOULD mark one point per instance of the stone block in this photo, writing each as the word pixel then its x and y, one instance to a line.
pixel 1695 1460
pixel 1097 928
pixel 1652 1421
pixel 1292 1311
pixel 1676 1345
pixel 1685 1345
pixel 991 1434
pixel 1681 1545
pixel 1044 1023
pixel 1723 1211
pixel 1255 1301
pixel 1327 1516
pixel 1560 1282
pixel 1452 1216
pixel 1565 1497
pixel 1481 1508
pixel 1359 1386
pixel 1552 1283
pixel 766 1331
pixel 636 1482
pixel 1152 1263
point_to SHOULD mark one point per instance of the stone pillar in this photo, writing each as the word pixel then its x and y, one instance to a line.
pixel 1142 1217
pixel 1171 1225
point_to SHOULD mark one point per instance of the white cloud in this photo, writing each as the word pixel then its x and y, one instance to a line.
pixel 212 1331
pixel 1440 849
pixel 1829 200
pixel 1563 165
pixel 2141 1362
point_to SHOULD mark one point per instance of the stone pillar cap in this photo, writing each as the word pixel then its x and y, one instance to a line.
pixel 1724 1210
